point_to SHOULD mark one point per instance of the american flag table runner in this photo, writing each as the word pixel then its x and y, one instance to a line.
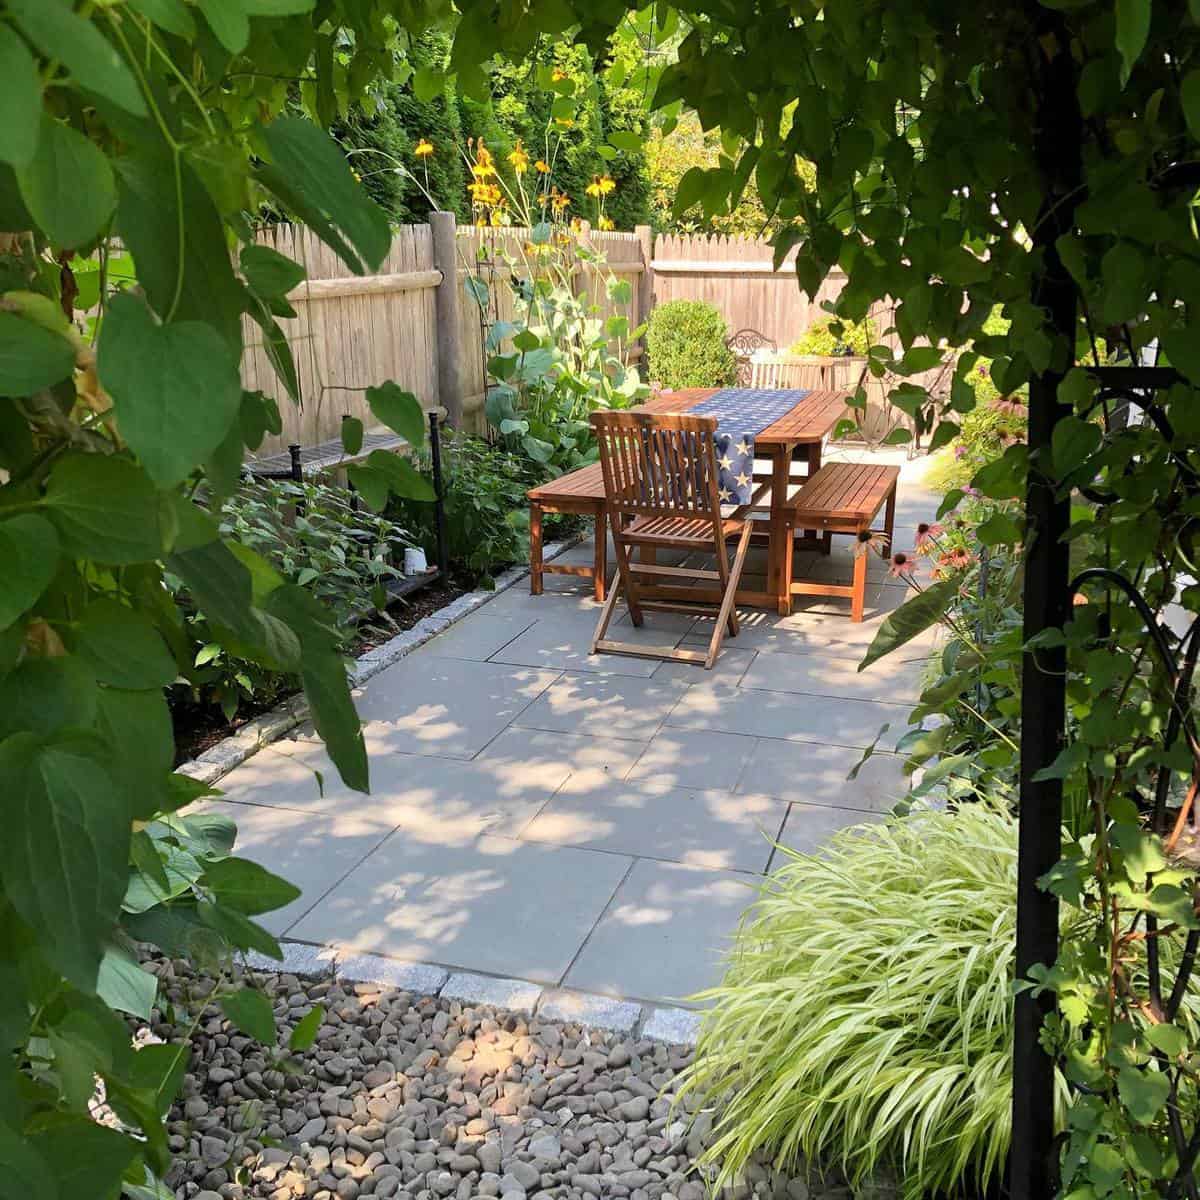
pixel 741 414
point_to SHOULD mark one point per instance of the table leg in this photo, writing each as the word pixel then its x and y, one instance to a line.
pixel 814 465
pixel 781 469
pixel 535 549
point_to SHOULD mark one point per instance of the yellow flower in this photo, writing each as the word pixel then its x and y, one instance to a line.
pixel 357 176
pixel 576 225
pixel 424 148
pixel 606 224
pixel 499 216
pixel 485 164
pixel 607 184
pixel 593 188
pixel 558 74
pixel 564 122
pixel 519 159
pixel 542 167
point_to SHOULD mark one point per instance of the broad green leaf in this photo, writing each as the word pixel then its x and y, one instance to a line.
pixel 31 358
pixel 66 844
pixel 160 1069
pixel 29 550
pixel 172 15
pixel 308 166
pixel 138 729
pixel 352 435
pixel 68 185
pixel 200 285
pixel 1143 1092
pixel 123 985
pixel 74 41
pixel 86 1159
pixel 999 530
pixel 210 833
pixel 258 416
pixel 1072 443
pixel 400 411
pixel 624 140
pixel 26 1175
pixel 279 351
pixel 228 21
pixel 251 1012
pixel 1183 349
pixel 913 617
pixel 238 930
pixel 921 358
pixel 1170 1039
pixel 305 1032
pixel 122 647
pixel 105 509
pixel 145 890
pixel 323 673
pixel 428 84
pixel 176 388
pixel 402 477
pixel 1133 27
pixel 270 273
pixel 20 100
pixel 372 485
pixel 242 884
pixel 45 695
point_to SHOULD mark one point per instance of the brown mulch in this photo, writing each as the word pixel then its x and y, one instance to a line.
pixel 200 728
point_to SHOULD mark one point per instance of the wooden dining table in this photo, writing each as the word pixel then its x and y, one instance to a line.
pixel 796 437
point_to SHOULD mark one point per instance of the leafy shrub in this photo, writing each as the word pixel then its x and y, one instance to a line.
pixel 866 1016
pixel 831 337
pixel 341 554
pixel 486 513
pixel 685 341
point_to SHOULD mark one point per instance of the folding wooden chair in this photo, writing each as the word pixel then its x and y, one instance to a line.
pixel 660 484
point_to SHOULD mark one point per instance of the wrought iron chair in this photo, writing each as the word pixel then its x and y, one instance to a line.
pixel 745 344
pixel 661 491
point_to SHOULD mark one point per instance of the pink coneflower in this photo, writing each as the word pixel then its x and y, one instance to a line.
pixel 927 533
pixel 961 558
pixel 972 492
pixel 869 539
pixel 902 566
pixel 960 451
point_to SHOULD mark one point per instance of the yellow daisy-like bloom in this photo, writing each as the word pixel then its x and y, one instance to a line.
pixel 576 225
pixel 560 200
pixel 499 216
pixel 519 159
pixel 542 167
pixel 558 74
pixel 607 184
pixel 484 164
pixel 606 224
pixel 593 188
pixel 424 148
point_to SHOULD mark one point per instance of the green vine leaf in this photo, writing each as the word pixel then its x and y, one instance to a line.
pixel 912 618
pixel 176 388
pixel 29 548
pixel 63 858
pixel 20 99
pixel 251 1012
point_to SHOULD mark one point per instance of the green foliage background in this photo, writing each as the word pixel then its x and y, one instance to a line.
pixel 685 344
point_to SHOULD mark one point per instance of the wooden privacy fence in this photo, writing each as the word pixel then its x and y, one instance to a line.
pixel 415 323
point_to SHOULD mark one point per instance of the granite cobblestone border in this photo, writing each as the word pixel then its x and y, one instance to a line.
pixel 659 1023
pixel 230 752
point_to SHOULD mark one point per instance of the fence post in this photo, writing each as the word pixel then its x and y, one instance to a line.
pixel 449 347
pixel 645 288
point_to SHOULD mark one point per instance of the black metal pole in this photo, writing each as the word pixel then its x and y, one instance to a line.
pixel 439 522
pixel 1058 132
pixel 297 474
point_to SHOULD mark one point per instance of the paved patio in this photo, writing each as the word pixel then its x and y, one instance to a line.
pixel 597 823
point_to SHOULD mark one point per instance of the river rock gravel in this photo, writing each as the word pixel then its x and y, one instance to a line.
pixel 419 1098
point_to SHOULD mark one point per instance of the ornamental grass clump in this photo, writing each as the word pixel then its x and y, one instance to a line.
pixel 865 1020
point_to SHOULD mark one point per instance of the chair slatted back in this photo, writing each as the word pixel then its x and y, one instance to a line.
pixel 783 370
pixel 658 465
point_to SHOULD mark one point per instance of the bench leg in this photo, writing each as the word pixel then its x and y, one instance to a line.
pixel 600 559
pixel 786 567
pixel 859 598
pixel 889 520
pixel 535 549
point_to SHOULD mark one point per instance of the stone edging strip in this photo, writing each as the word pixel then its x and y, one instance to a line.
pixel 235 749
pixel 678 1026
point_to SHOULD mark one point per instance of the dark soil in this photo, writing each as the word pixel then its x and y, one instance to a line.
pixel 199 727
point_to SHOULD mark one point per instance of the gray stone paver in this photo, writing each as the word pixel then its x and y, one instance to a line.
pixel 589 825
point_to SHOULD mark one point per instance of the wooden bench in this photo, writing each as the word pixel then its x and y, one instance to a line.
pixel 581 494
pixel 839 498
